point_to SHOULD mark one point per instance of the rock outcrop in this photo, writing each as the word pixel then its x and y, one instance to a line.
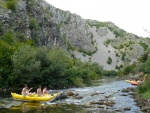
pixel 89 40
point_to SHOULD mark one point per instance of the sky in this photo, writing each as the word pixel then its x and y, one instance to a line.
pixel 131 15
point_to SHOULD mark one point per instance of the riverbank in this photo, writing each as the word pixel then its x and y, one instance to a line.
pixel 143 104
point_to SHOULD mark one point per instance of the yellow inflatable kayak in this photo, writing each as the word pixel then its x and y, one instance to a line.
pixel 35 97
pixel 128 81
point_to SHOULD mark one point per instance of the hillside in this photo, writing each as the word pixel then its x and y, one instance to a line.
pixel 90 40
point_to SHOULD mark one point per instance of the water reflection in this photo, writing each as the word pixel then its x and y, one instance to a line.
pixel 31 107
pixel 28 106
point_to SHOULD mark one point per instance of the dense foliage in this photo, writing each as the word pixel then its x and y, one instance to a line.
pixel 22 62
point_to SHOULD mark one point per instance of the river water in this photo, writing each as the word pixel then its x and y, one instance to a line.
pixel 110 88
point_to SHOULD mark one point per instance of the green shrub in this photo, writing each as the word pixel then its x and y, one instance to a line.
pixel 145 46
pixel 8 37
pixel 70 46
pixel 127 44
pixel 110 73
pixel 131 48
pixel 119 33
pixel 33 24
pixel 131 42
pixel 117 55
pixel 1 29
pixel 147 65
pixel 146 94
pixel 117 67
pixel 123 56
pixel 143 57
pixel 145 88
pixel 11 4
pixel 109 61
pixel 108 41
pixel 78 82
pixel 92 41
pixel 128 69
pixel 121 46
pixel 20 37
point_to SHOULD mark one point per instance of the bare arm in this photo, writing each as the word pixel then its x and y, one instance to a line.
pixel 29 89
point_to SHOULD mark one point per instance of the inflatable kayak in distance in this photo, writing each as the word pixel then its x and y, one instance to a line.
pixel 134 83
pixel 128 81
pixel 36 98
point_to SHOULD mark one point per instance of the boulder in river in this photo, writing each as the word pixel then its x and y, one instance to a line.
pixel 70 93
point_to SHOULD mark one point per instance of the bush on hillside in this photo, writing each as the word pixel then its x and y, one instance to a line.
pixel 147 65
pixel 11 4
pixel 143 57
pixel 128 69
pixel 8 37
pixel 33 24
pixel 109 61
pixel 145 46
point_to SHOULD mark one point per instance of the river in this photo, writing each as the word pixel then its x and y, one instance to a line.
pixel 109 90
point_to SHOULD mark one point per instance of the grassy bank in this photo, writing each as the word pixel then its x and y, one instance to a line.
pixel 144 89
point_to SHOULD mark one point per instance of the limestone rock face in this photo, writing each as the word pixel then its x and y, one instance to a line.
pixel 88 40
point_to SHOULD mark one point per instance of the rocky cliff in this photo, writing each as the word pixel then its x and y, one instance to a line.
pixel 90 40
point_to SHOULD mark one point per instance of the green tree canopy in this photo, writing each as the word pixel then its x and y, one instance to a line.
pixel 26 67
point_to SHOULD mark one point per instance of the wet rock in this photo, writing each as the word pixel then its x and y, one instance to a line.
pixel 123 95
pixel 104 102
pixel 70 93
pixel 131 93
pixel 118 110
pixel 145 109
pixel 141 101
pixel 96 94
pixel 125 90
pixel 78 97
pixel 127 108
pixel 107 96
pixel 130 89
pixel 109 103
pixel 115 92
pixel 100 103
pixel 63 96
pixel 76 94
pixel 101 106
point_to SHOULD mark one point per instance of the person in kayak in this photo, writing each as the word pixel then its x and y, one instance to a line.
pixel 25 90
pixel 45 91
pixel 39 90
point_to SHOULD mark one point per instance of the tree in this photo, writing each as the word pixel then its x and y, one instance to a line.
pixel 26 67
pixel 60 63
pixel 6 51
pixel 147 65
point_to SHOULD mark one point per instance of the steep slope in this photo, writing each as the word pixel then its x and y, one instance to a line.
pixel 115 47
pixel 90 40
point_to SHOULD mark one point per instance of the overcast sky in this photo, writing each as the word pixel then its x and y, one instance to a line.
pixel 131 15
